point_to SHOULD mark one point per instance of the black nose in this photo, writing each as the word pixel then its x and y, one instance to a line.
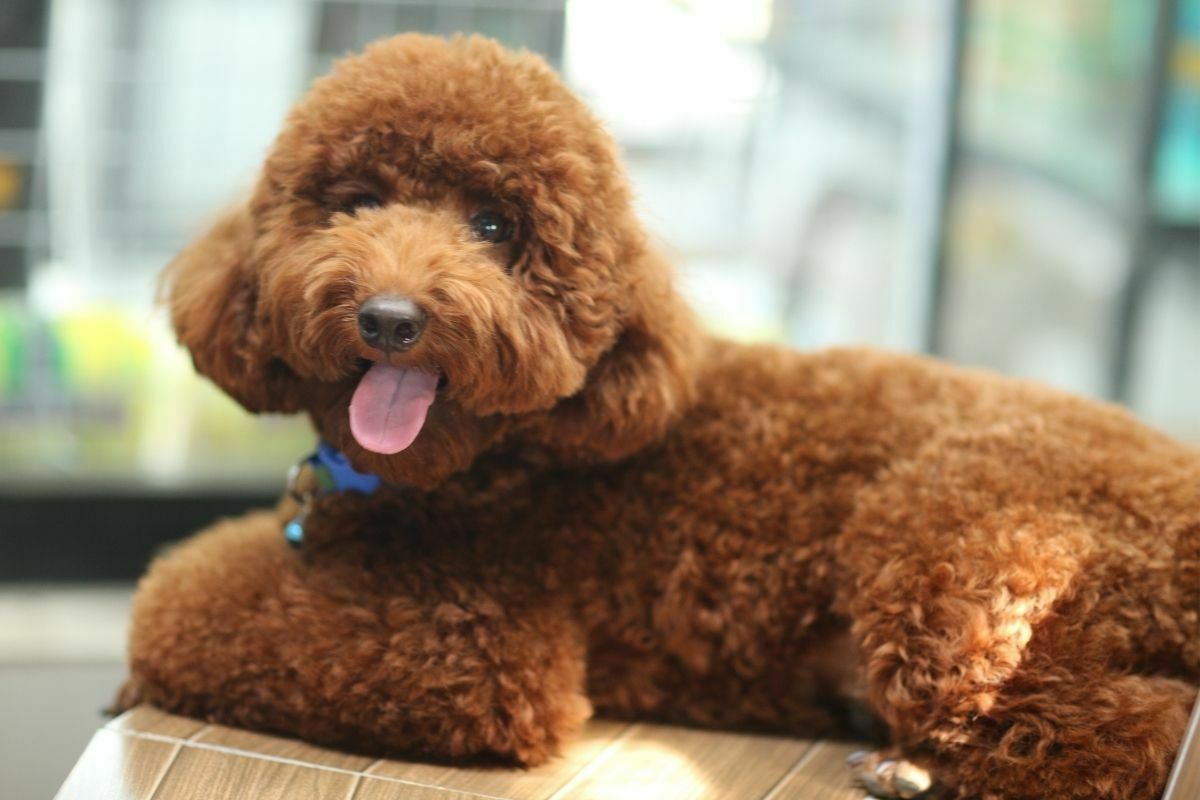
pixel 388 322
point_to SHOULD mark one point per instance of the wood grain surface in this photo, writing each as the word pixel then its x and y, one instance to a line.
pixel 146 754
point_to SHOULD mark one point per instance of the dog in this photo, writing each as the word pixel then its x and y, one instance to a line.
pixel 553 495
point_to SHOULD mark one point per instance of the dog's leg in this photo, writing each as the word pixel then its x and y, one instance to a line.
pixel 395 656
pixel 993 658
pixel 1112 737
pixel 1025 608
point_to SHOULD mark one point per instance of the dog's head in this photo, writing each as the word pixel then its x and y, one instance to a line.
pixel 440 253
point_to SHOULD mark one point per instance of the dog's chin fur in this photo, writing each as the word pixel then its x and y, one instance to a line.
pixel 604 507
pixel 448 443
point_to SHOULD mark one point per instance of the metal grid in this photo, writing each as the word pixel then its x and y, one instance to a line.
pixel 22 47
pixel 159 111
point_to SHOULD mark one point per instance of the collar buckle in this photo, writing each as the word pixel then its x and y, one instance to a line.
pixel 323 472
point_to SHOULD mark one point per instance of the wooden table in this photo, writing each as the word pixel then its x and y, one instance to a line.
pixel 146 754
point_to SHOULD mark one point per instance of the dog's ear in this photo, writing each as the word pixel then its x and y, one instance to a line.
pixel 210 290
pixel 637 390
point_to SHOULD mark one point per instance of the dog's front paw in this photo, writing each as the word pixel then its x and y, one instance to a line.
pixel 887 776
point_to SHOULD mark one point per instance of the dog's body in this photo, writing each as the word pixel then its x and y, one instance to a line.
pixel 692 530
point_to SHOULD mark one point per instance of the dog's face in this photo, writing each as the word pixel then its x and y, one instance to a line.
pixel 440 253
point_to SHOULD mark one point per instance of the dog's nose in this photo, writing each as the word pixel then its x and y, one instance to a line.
pixel 389 322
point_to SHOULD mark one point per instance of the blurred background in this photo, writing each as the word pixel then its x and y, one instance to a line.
pixel 1012 184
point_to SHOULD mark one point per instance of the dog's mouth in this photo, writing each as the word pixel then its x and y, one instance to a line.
pixel 389 406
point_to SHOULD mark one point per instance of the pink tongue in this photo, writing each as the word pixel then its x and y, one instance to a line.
pixel 389 407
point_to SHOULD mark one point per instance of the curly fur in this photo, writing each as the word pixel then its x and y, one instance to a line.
pixel 608 509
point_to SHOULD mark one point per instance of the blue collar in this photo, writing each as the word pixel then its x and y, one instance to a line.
pixel 331 464
pixel 324 472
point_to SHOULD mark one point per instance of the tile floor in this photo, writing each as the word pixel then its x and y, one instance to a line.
pixel 148 755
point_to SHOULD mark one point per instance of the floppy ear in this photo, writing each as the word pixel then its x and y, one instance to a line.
pixel 637 390
pixel 211 292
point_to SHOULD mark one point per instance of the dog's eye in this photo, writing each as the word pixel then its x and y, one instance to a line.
pixel 491 226
pixel 359 201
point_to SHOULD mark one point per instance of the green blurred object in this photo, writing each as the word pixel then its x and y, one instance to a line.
pixel 12 350
pixel 1055 86
pixel 96 396
pixel 1177 173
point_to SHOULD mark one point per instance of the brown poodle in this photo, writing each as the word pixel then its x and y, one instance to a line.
pixel 587 505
